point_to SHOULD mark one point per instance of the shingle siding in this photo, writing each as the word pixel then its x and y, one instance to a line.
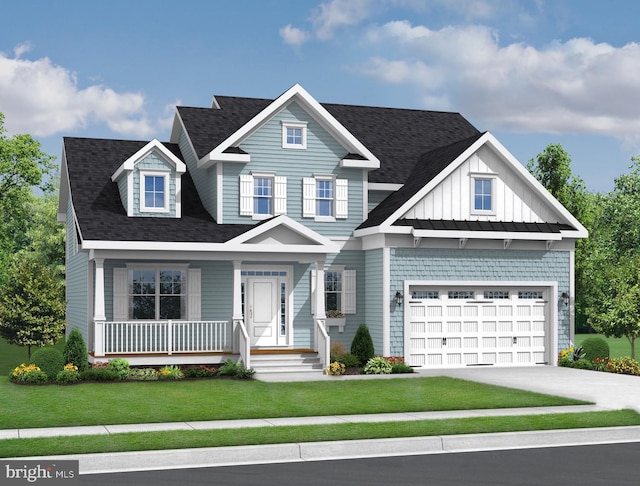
pixel 479 265
pixel 374 290
pixel 150 163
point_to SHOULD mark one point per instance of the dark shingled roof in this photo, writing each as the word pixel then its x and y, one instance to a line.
pixel 510 227
pixel 101 216
pixel 429 165
pixel 398 137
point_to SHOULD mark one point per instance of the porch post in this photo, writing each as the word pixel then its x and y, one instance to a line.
pixel 98 308
pixel 320 305
pixel 237 304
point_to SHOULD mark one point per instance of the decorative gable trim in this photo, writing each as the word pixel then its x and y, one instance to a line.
pixel 143 152
pixel 316 110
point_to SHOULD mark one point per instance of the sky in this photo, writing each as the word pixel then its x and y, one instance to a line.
pixel 532 72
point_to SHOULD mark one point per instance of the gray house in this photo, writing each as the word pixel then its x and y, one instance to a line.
pixel 274 227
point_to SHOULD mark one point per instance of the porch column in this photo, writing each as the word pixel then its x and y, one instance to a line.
pixel 99 315
pixel 237 290
pixel 320 300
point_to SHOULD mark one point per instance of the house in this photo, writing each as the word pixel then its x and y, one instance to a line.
pixel 276 226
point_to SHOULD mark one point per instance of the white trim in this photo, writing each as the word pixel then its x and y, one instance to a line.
pixel 143 174
pixel 128 164
pixel 286 124
pixel 384 186
pixel 491 177
pixel 365 196
pixel 316 110
pixel 219 193
pixel 386 302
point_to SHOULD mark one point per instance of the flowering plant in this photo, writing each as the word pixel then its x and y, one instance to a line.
pixel 170 372
pixel 334 314
pixel 69 374
pixel 336 369
pixel 28 374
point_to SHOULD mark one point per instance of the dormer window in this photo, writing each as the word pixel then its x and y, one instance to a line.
pixel 155 190
pixel 294 135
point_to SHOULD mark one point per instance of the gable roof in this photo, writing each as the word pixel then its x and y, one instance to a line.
pixel 397 137
pixel 98 208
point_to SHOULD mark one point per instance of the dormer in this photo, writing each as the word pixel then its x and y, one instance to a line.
pixel 149 182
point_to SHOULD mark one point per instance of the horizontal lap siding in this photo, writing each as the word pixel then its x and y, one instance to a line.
pixel 480 265
pixel 203 179
pixel 77 295
pixel 322 156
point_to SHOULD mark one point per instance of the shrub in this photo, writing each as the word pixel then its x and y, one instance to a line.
pixel 200 371
pixel 377 366
pixel 170 372
pixel 75 350
pixel 595 347
pixel 244 373
pixel 401 368
pixel 120 366
pixel 99 373
pixel 625 366
pixel 49 360
pixel 362 345
pixel 68 375
pixel 337 349
pixel 348 360
pixel 582 364
pixel 237 370
pixel 142 374
pixel 335 369
pixel 28 374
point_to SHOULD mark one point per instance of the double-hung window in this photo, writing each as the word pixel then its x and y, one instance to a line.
pixel 325 198
pixel 155 192
pixel 262 195
pixel 157 294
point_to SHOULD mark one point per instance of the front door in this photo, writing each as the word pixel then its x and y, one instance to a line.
pixel 262 310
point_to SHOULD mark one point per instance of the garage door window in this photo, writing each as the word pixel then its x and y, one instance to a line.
pixel 462 294
pixel 530 294
pixel 496 294
pixel 425 294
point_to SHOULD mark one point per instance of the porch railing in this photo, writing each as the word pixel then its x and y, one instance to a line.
pixel 242 343
pixel 146 337
pixel 322 342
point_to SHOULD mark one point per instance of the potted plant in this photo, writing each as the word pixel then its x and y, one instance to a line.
pixel 336 318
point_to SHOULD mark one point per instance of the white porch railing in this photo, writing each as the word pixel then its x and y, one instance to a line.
pixel 322 342
pixel 146 337
pixel 242 345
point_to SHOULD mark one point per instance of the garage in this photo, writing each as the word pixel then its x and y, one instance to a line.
pixel 479 325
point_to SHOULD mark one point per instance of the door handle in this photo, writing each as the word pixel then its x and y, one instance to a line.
pixel 250 312
pixel 444 341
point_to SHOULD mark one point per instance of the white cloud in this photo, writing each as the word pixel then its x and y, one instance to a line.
pixel 576 86
pixel 43 99
pixel 293 36
pixel 340 13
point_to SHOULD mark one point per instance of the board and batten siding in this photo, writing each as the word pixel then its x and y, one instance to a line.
pixel 452 199
pixel 77 284
pixel 150 163
pixel 479 265
pixel 203 179
pixel 321 157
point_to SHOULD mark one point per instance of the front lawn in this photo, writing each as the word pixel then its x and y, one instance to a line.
pixel 218 399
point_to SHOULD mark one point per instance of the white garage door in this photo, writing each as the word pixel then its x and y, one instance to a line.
pixel 477 326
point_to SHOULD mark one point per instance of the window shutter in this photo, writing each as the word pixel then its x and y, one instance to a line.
pixel 313 292
pixel 279 195
pixel 246 195
pixel 308 197
pixel 349 291
pixel 194 293
pixel 120 294
pixel 342 198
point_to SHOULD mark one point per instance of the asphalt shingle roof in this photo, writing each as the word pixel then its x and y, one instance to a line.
pixel 99 210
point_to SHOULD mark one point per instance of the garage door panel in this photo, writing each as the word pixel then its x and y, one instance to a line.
pixel 465 327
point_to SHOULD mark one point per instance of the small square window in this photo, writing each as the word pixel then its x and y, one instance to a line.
pixel 294 135
pixel 482 194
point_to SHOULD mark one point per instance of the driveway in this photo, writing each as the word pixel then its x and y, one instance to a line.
pixel 607 390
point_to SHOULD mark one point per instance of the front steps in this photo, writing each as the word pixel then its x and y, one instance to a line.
pixel 298 362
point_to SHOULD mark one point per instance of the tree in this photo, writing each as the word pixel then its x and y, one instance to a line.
pixel 32 309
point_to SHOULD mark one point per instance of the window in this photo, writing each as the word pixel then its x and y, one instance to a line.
pixel 496 294
pixel 262 195
pixel 339 291
pixel 325 198
pixel 155 191
pixel 156 294
pixel 461 294
pixel 482 197
pixel 530 294
pixel 333 291
pixel 294 135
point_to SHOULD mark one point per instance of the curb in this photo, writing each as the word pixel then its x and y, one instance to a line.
pixel 338 450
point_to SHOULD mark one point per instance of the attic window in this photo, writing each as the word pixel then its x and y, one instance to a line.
pixel 154 192
pixel 482 194
pixel 294 135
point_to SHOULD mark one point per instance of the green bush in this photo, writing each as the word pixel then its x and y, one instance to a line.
pixel 75 350
pixel 595 347
pixel 200 371
pixel 348 360
pixel 362 345
pixel 377 366
pixel 237 370
pixel 120 366
pixel 28 374
pixel 35 378
pixel 401 368
pixel 99 374
pixel 67 377
pixel 142 374
pixel 49 360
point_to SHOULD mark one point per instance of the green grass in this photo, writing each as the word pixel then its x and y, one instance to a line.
pixel 11 356
pixel 219 399
pixel 618 347
pixel 310 433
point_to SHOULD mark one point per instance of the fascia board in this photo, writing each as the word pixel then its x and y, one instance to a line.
pixel 216 156
pixel 487 235
pixel 65 188
pixel 384 186
pixel 319 113
pixel 386 225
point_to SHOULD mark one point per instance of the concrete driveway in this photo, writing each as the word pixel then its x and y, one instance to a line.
pixel 607 390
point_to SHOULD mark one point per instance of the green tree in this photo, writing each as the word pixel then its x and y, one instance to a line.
pixel 32 309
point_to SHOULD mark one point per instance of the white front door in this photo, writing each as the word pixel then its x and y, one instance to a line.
pixel 262 310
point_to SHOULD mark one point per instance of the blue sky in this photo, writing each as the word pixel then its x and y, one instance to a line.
pixel 530 72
